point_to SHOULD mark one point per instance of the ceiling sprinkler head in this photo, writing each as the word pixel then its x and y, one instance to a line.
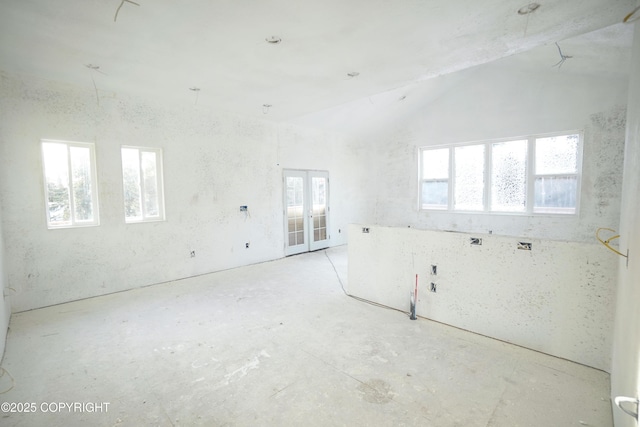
pixel 273 40
pixel 530 8
pixel 194 89
pixel 265 108
pixel 353 74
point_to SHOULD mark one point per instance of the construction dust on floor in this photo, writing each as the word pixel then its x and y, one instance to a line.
pixel 277 344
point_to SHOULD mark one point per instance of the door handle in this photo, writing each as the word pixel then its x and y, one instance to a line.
pixel 620 400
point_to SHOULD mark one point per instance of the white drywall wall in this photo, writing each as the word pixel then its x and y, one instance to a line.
pixel 5 302
pixel 500 101
pixel 625 374
pixel 213 163
pixel 557 298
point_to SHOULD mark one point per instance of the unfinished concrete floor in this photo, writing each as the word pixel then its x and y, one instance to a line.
pixel 279 344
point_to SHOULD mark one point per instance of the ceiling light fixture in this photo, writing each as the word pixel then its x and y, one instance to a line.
pixel 273 40
pixel 353 74
pixel 530 8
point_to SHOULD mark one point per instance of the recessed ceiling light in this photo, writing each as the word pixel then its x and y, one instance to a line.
pixel 273 40
pixel 530 8
pixel 353 74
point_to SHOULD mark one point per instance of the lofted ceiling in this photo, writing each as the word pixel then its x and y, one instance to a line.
pixel 217 52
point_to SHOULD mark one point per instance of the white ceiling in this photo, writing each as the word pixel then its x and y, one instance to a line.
pixel 161 48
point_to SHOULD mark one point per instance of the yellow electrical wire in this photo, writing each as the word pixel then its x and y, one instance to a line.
pixel 628 17
pixel 606 242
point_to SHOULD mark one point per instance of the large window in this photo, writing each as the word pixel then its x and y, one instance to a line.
pixel 70 184
pixel 468 177
pixel 532 175
pixel 142 181
pixel 556 174
pixel 435 179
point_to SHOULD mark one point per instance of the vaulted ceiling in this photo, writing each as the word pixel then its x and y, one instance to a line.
pixel 298 57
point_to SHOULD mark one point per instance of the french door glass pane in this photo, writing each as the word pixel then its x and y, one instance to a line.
pixel 319 195
pixel 295 210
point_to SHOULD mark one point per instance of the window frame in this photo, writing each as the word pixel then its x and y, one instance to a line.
pixel 95 208
pixel 159 183
pixel 530 176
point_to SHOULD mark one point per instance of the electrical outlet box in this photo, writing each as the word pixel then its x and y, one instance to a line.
pixel 476 241
pixel 524 246
pixel 244 208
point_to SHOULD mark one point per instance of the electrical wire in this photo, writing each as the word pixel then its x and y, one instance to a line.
pixel 96 89
pixel 13 381
pixel 627 18
pixel 606 242
pixel 119 7
pixel 563 57
pixel 95 68
pixel 375 304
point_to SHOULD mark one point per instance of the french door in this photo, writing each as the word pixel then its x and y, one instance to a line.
pixel 306 211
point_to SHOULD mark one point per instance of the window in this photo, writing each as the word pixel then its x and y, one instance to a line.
pixel 70 184
pixel 556 174
pixel 468 183
pixel 533 175
pixel 509 176
pixel 142 184
pixel 435 179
